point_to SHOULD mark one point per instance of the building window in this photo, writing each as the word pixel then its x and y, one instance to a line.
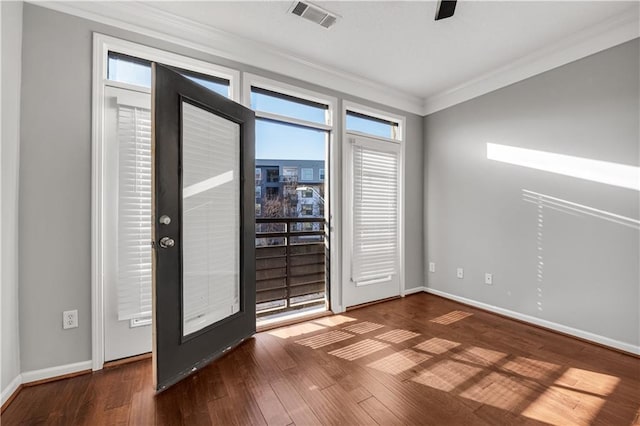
pixel 273 192
pixel 321 174
pixel 258 174
pixel 258 209
pixel 307 174
pixel 273 175
pixel 258 191
pixel 307 193
pixel 290 171
pixel 307 209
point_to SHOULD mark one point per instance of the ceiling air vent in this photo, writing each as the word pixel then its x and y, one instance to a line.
pixel 313 13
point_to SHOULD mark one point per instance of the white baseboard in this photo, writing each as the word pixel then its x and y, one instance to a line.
pixel 413 290
pixel 10 389
pixel 596 338
pixel 60 370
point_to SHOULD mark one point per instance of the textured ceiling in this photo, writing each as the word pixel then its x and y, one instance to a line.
pixel 399 44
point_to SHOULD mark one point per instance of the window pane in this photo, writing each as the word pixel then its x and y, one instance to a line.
pixel 210 222
pixel 371 125
pixel 275 140
pixel 136 71
pixel 128 70
pixel 290 106
pixel 214 86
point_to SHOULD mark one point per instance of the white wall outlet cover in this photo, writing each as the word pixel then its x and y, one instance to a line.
pixel 70 319
pixel 432 267
pixel 488 279
pixel 460 273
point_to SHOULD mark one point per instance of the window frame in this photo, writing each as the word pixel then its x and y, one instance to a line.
pixel 332 210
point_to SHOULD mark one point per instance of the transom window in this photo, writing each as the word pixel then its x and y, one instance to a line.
pixel 363 123
pixel 131 70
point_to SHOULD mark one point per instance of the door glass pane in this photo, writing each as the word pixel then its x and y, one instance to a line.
pixel 211 218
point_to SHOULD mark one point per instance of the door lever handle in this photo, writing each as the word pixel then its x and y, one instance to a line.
pixel 167 242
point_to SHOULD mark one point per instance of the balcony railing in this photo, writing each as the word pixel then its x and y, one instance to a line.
pixel 290 264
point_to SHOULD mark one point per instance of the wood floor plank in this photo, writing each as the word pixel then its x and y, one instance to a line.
pixel 381 414
pixel 388 363
pixel 296 407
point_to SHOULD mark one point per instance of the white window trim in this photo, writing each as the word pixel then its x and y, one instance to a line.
pixel 347 230
pixel 333 178
pixel 251 80
pixel 102 44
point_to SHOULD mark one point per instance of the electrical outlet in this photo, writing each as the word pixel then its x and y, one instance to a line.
pixel 432 267
pixel 70 319
pixel 488 279
pixel 460 273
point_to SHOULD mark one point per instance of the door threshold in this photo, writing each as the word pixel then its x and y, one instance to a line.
pixel 289 318
pixel 127 360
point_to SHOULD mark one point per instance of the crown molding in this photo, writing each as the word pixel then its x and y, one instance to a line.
pixel 609 33
pixel 146 20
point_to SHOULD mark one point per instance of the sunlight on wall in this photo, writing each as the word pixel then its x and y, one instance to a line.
pixel 606 172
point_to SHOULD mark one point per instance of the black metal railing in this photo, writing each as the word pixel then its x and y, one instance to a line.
pixel 291 267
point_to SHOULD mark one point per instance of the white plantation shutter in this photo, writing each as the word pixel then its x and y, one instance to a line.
pixel 134 213
pixel 375 255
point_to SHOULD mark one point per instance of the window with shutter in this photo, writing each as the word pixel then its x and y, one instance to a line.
pixel 375 212
pixel 134 213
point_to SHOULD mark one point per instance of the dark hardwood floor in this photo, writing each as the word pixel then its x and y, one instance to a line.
pixel 417 360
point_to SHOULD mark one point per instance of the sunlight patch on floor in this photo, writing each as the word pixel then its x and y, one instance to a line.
pixel 363 327
pixel 334 320
pixel 296 330
pixel 588 381
pixel 555 405
pixel 499 390
pixel 480 356
pixel 446 375
pixel 324 339
pixel 436 345
pixel 397 336
pixel 359 350
pixel 533 368
pixel 451 317
pixel 399 362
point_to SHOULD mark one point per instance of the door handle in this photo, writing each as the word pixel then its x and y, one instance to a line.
pixel 167 242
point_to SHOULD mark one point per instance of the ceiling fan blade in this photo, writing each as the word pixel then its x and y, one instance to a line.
pixel 445 9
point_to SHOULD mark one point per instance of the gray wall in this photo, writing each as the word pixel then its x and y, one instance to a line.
pixel 55 179
pixel 11 53
pixel 476 217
